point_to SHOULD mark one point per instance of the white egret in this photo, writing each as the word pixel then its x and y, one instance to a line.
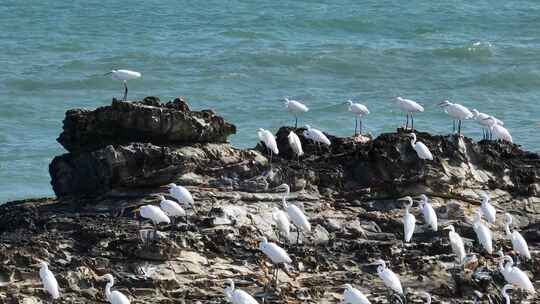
pixel 297 216
pixel 457 244
pixel 124 76
pixel 482 232
pixel 409 221
pixel 480 118
pixel 430 217
pixel 359 111
pixel 389 278
pixel 426 296
pixel 238 296
pixel 182 195
pixel 171 208
pixel 295 144
pixel 282 222
pixel 316 135
pixel 504 293
pixel 155 214
pixel 421 149
pixel 295 107
pixel 276 254
pixel 457 112
pixel 498 130
pixel 518 242
pixel 410 107
pixel 352 295
pixel 115 296
pixel 514 275
pixel 49 281
pixel 488 211
pixel 269 141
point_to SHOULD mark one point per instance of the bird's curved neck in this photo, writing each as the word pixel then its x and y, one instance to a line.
pixel 284 201
pixel 507 229
pixel 506 297
pixel 428 300
pixel 108 288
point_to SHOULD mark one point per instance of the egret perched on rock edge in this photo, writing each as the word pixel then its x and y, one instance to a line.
pixel 430 217
pixel 518 242
pixel 504 293
pixel 49 281
pixel 237 296
pixel 457 244
pixel 297 216
pixel 498 130
pixel 480 118
pixel 282 222
pixel 276 254
pixel 421 149
pixel 352 295
pixel 389 278
pixel 269 141
pixel 483 234
pixel 457 112
pixel 171 208
pixel 124 76
pixel 514 275
pixel 358 110
pixel 295 107
pixel 316 135
pixel 155 214
pixel 488 211
pixel 409 221
pixel 410 107
pixel 115 296
pixel 295 144
pixel 426 296
pixel 182 195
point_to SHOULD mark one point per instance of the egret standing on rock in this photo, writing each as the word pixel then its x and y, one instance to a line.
pixel 389 278
pixel 182 195
pixel 282 222
pixel 49 281
pixel 295 144
pixel 277 256
pixel 295 107
pixel 421 150
pixel 457 244
pixel 124 76
pixel 238 296
pixel 504 293
pixel 115 296
pixel 498 130
pixel 296 215
pixel 409 221
pixel 430 217
pixel 410 107
pixel 518 242
pixel 156 215
pixel 481 119
pixel 269 141
pixel 488 211
pixel 171 208
pixel 457 112
pixel 316 135
pixel 514 275
pixel 352 295
pixel 482 232
pixel 359 111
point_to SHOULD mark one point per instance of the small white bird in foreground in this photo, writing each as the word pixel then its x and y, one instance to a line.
pixel 238 296
pixel 498 130
pixel 316 135
pixel 504 293
pixel 359 111
pixel 49 281
pixel 430 217
pixel 519 244
pixel 295 144
pixel 282 222
pixel 171 208
pixel 483 234
pixel 124 76
pixel 421 149
pixel 457 244
pixel 182 195
pixel 457 112
pixel 276 254
pixel 156 215
pixel 426 296
pixel 409 221
pixel 410 107
pixel 295 107
pixel 352 295
pixel 269 141
pixel 389 278
pixel 115 296
pixel 296 215
pixel 488 211
pixel 514 275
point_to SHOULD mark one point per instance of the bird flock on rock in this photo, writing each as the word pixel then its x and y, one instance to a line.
pixel 292 215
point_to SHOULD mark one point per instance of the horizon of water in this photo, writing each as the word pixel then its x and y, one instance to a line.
pixel 241 58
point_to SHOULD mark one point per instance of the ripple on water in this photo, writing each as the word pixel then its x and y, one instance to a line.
pixel 473 50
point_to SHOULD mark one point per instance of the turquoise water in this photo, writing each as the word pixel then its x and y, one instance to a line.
pixel 241 58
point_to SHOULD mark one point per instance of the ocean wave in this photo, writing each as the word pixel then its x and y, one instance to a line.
pixel 471 50
pixel 515 79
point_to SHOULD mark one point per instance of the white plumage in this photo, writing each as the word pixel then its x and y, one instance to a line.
pixel 115 296
pixel 514 275
pixel 359 111
pixel 316 135
pixel 457 112
pixel 421 149
pixel 296 215
pixel 352 295
pixel 504 293
pixel 519 243
pixel 155 214
pixel 430 217
pixel 238 296
pixel 482 232
pixel 275 253
pixel 410 107
pixel 171 208
pixel 497 129
pixel 390 279
pixel 124 76
pixel 457 244
pixel 295 144
pixel 49 281
pixel 295 107
pixel 268 139
pixel 181 194
pixel 426 296
pixel 481 119
pixel 488 211
pixel 282 222
pixel 409 221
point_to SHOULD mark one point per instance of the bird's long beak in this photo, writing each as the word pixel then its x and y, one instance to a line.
pixel 443 104
pixel 109 73
pixel 405 198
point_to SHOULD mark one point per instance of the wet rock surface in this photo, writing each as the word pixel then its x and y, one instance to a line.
pixel 349 192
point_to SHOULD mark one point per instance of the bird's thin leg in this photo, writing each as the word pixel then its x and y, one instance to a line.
pixel 360 126
pixel 295 121
pixel 297 235
pixel 453 126
pixel 276 278
pixel 483 133
pixel 407 123
pixel 412 122
pixel 459 127
pixel 355 125
pixel 125 91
